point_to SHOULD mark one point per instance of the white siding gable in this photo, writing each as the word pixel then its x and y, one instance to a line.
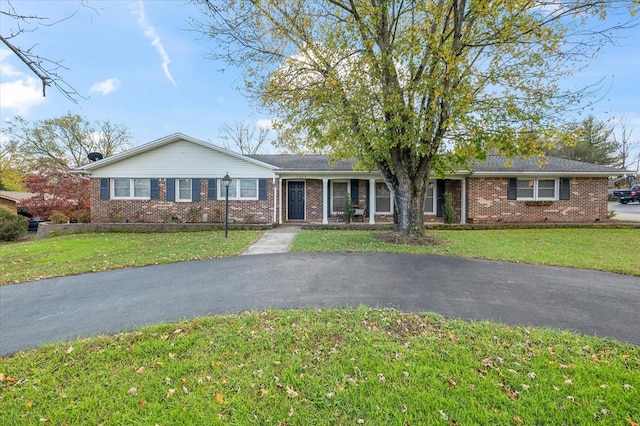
pixel 182 159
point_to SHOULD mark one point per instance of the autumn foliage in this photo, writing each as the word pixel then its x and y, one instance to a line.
pixel 57 190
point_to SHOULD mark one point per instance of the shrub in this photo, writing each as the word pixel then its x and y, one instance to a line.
pixel 448 211
pixel 58 217
pixel 193 214
pixel 348 208
pixel 83 216
pixel 12 226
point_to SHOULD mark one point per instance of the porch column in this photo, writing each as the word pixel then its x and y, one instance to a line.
pixel 463 201
pixel 280 201
pixel 372 201
pixel 275 198
pixel 325 195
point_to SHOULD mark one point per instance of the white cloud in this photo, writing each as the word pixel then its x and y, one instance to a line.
pixel 264 123
pixel 18 91
pixel 106 86
pixel 151 34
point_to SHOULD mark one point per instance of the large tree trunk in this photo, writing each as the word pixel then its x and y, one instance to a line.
pixel 409 185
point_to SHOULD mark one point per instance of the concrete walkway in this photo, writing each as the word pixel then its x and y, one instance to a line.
pixel 276 240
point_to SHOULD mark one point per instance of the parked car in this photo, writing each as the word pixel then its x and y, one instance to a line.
pixel 34 222
pixel 625 196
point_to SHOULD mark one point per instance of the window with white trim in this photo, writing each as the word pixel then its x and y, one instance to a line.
pixel 130 188
pixel 184 190
pixel 429 199
pixel 383 198
pixel 239 189
pixel 537 189
pixel 339 192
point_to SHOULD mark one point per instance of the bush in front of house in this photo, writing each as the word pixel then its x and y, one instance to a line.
pixel 12 226
pixel 448 211
pixel 58 217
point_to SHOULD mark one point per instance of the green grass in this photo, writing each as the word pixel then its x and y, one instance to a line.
pixel 80 253
pixel 325 367
pixel 606 249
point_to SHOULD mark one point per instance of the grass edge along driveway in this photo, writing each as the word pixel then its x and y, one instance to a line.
pixel 82 253
pixel 605 249
pixel 325 366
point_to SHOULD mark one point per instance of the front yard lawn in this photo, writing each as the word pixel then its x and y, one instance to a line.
pixel 605 249
pixel 326 367
pixel 80 253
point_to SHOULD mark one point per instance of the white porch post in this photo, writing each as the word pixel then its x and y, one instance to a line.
pixel 325 192
pixel 280 201
pixel 372 201
pixel 275 198
pixel 463 202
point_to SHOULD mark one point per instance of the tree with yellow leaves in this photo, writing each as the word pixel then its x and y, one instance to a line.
pixel 412 87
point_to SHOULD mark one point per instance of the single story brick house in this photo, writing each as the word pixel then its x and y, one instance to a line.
pixel 178 178
pixel 10 200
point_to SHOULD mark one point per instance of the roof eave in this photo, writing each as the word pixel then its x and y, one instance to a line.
pixel 542 173
pixel 164 141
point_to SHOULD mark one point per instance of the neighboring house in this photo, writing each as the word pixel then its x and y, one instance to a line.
pixel 11 200
pixel 178 178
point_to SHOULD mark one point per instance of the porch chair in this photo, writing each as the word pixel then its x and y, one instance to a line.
pixel 359 211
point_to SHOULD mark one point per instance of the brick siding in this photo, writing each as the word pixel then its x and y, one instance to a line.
pixel 163 211
pixel 8 205
pixel 487 202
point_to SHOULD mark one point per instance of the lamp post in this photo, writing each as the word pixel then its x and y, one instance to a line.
pixel 226 181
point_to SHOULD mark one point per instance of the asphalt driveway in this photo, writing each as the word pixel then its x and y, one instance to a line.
pixel 596 303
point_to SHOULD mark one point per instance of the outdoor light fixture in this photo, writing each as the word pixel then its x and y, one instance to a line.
pixel 226 181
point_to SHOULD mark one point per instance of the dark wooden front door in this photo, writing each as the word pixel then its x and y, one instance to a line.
pixel 295 200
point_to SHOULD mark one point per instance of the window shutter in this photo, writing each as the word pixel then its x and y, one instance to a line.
pixel 262 189
pixel 565 189
pixel 154 189
pixel 211 189
pixel 195 189
pixel 440 189
pixel 104 189
pixel 512 191
pixel 355 187
pixel 171 189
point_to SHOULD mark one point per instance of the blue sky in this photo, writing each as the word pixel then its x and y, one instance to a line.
pixel 140 67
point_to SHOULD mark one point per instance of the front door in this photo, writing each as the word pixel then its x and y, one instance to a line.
pixel 295 200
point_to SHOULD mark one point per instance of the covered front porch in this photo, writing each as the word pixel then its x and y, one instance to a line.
pixel 320 199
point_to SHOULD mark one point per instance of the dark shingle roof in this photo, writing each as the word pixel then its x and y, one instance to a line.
pixel 492 164
pixel 498 163
pixel 318 163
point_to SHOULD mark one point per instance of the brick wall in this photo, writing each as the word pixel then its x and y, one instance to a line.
pixel 487 202
pixel 163 211
pixel 8 205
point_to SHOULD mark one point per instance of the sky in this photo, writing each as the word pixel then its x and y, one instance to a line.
pixel 139 65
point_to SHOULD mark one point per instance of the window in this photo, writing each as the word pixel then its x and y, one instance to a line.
pixel 240 189
pixel 525 188
pixel 248 188
pixel 429 203
pixel 339 191
pixel 131 188
pixel 546 189
pixel 383 198
pixel 184 189
pixel 537 189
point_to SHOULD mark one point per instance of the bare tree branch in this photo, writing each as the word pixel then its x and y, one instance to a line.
pixel 45 69
pixel 243 137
